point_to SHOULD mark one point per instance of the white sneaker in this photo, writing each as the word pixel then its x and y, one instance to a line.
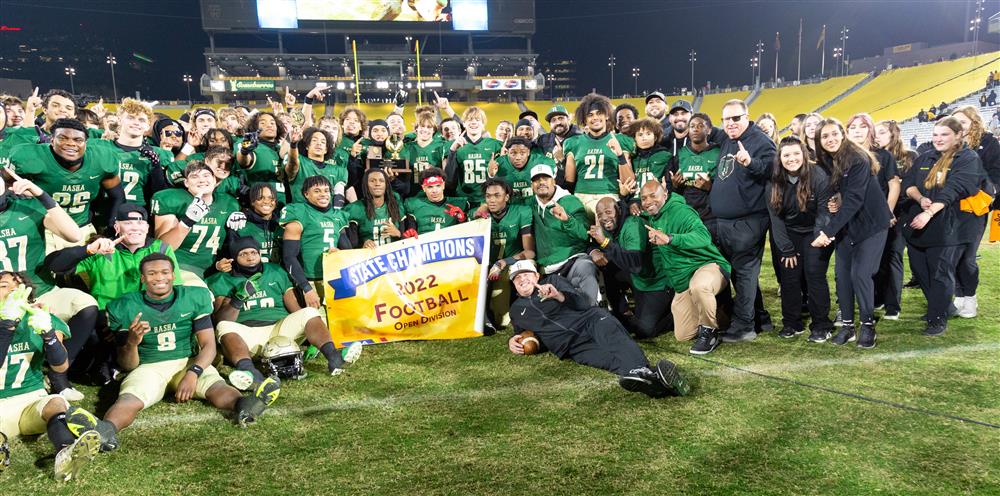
pixel 71 459
pixel 969 309
pixel 352 352
pixel 241 379
pixel 71 394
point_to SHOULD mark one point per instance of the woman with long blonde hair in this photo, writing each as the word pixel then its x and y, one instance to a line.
pixel 938 181
pixel 980 140
pixel 807 133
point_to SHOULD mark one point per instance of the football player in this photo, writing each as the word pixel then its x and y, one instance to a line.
pixel 30 336
pixel 255 303
pixel 378 217
pixel 262 150
pixel 311 229
pixel 157 331
pixel 432 211
pixel 469 156
pixel 316 154
pixel 193 220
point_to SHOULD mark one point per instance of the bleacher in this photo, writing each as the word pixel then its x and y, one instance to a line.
pixel 785 103
pixel 712 104
pixel 900 93
pixel 924 130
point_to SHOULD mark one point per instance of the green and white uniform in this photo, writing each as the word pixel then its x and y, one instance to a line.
pixel 334 169
pixel 266 306
pixel 171 333
pixel 520 179
pixel 22 241
pixel 22 371
pixel 133 168
pixel 596 164
pixel 373 229
pixel 506 232
pixel 197 252
pixel 320 232
pixel 424 157
pixel 431 216
pixel 111 276
pixel 74 191
pixel 471 162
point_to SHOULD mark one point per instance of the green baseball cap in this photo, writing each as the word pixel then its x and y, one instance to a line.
pixel 554 111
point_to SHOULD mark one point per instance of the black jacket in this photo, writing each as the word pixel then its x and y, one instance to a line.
pixel 548 140
pixel 738 191
pixel 556 324
pixel 963 180
pixel 989 154
pixel 790 218
pixel 863 210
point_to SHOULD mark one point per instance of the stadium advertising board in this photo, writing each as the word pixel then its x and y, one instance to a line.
pixel 431 287
pixel 501 84
pixel 250 85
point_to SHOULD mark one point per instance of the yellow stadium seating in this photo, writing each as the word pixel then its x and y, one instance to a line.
pixel 900 93
pixel 786 102
pixel 712 104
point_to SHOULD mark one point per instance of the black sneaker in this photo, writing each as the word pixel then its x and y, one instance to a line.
pixel 733 336
pixel 936 327
pixel 845 335
pixel 789 332
pixel 866 337
pixel 707 340
pixel 643 380
pixel 764 319
pixel 672 379
pixel 819 336
pixel 912 283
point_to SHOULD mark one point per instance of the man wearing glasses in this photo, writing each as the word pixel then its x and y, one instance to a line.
pixel 737 201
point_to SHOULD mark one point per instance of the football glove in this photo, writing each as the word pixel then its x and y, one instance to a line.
pixel 249 288
pixel 410 233
pixel 455 212
pixel 401 98
pixel 15 304
pixel 236 221
pixel 149 153
pixel 196 211
pixel 39 320
pixel 250 141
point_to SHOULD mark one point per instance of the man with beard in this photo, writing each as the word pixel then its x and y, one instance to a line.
pixel 656 109
pixel 567 325
pixel 73 173
pixel 560 129
pixel 56 105
pixel 627 260
pixel 169 135
pixel 511 240
pixel 561 237
pixel 737 201
pixel 247 315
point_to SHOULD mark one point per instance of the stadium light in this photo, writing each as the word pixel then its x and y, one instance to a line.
pixel 692 57
pixel 187 80
pixel 382 85
pixel 114 84
pixel 611 64
pixel 635 80
pixel 70 71
pixel 341 85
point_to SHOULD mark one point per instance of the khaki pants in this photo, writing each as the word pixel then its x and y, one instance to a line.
pixel 66 302
pixel 54 242
pixel 499 302
pixel 189 278
pixel 697 305
pixel 22 414
pixel 256 338
pixel 150 381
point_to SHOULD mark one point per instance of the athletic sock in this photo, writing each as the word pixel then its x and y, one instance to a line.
pixel 247 365
pixel 59 433
pixel 58 381
pixel 333 357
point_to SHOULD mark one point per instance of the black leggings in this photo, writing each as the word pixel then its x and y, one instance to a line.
pixel 811 267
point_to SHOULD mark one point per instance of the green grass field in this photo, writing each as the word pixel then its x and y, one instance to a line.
pixel 467 417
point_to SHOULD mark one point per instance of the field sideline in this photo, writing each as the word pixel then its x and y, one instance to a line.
pixel 466 417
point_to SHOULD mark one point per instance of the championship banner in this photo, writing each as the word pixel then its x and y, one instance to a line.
pixel 431 287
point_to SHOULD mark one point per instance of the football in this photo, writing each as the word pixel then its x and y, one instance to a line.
pixel 529 342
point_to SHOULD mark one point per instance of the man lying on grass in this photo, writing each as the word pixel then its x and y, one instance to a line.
pixel 565 323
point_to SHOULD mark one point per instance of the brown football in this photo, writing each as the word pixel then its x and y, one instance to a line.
pixel 529 342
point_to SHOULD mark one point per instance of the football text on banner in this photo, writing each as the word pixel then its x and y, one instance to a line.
pixel 431 287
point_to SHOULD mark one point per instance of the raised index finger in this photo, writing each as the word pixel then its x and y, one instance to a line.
pixel 741 146
pixel 135 321
pixel 119 240
pixel 35 94
pixel 13 175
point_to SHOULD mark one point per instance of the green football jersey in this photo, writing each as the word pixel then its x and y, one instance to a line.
pixel 627 143
pixel 373 229
pixel 197 251
pixel 133 168
pixel 346 142
pixel 22 371
pixel 334 169
pixel 265 166
pixel 596 164
pixel 505 233
pixel 473 160
pixel 520 179
pixel 22 241
pixel 110 276
pixel 690 163
pixel 171 331
pixel 320 232
pixel 424 157
pixel 266 306
pixel 74 191
pixel 270 241
pixel 650 167
pixel 431 216
pixel 634 236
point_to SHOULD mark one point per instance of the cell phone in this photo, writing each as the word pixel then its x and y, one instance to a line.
pixel 322 85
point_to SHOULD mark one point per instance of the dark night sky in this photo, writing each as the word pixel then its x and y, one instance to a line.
pixel 652 35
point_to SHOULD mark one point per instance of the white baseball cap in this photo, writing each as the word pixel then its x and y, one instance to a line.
pixel 522 266
pixel 541 169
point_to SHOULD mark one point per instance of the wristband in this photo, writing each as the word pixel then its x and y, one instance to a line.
pixel 187 149
pixel 621 159
pixel 196 369
pixel 188 223
pixel 47 201
pixel 509 261
pixel 604 244
pixel 309 100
